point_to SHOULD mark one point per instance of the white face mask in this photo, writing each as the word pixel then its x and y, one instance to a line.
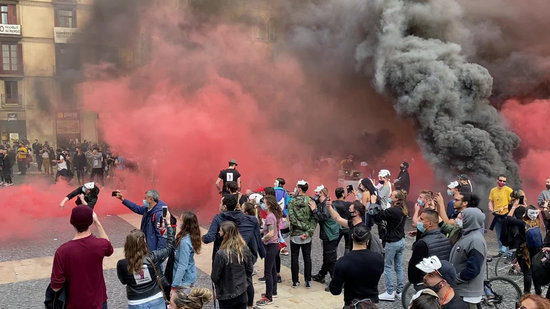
pixel 459 222
pixel 532 214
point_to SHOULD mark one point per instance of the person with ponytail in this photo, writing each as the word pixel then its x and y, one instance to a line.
pixel 188 242
pixel 232 268
pixel 196 299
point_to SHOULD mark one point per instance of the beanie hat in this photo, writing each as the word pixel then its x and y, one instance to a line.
pixel 82 217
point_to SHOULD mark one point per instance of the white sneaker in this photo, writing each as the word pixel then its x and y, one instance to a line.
pixel 398 295
pixel 387 297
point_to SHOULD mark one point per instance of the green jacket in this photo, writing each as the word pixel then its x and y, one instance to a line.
pixel 300 216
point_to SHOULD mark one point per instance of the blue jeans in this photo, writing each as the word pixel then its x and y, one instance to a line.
pixel 498 228
pixel 394 255
pixel 152 304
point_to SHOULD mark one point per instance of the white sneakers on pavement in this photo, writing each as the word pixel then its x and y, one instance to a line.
pixel 386 296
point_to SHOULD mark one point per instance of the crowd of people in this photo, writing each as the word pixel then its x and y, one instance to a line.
pixel 447 265
pixel 82 161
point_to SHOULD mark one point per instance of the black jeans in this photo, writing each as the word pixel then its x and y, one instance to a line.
pixel 80 175
pixel 295 266
pixel 347 241
pixel 238 302
pixel 527 275
pixel 270 270
pixel 329 257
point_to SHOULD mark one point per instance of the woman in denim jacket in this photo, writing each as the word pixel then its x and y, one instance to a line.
pixel 188 242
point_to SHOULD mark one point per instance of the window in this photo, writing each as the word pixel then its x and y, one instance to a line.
pixel 7 14
pixel 9 57
pixel 4 13
pixel 65 18
pixel 12 94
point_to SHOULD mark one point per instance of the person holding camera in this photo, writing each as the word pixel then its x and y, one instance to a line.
pixel 140 270
pixel 394 238
pixel 499 198
pixel 527 238
pixel 152 214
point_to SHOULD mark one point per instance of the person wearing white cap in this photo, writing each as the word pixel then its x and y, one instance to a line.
pixel 452 189
pixel 439 276
pixel 384 188
pixel 302 226
pixel 86 195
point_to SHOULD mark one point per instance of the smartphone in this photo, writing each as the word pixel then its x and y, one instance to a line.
pixel 350 188
pixel 164 211
pixel 522 200
pixel 114 193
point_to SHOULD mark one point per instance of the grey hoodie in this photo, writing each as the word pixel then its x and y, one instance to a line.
pixel 469 253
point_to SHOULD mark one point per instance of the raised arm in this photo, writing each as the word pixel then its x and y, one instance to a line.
pixel 336 216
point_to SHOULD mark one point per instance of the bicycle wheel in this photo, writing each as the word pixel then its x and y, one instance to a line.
pixel 504 263
pixel 407 294
pixel 501 293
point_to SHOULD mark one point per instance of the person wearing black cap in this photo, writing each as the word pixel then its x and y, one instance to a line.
pixel 465 183
pixel 359 271
pixel 403 181
pixel 78 263
pixel 229 174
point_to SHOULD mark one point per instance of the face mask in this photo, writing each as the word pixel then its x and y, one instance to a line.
pixel 532 214
pixel 390 201
pixel 360 196
pixel 547 187
pixel 352 213
pixel 436 287
pixel 420 202
pixel 316 197
pixel 420 227
pixel 450 193
pixel 459 223
pixel 381 182
pixel 263 206
pixel 145 203
pixel 83 189
pixel 500 184
pixel 295 191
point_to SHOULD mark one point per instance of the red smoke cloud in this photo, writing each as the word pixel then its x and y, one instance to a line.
pixel 530 122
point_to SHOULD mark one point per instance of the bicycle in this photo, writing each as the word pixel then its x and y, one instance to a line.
pixel 499 292
pixel 507 265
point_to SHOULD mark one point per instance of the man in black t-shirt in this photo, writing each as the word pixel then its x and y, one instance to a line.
pixel 439 277
pixel 359 271
pixel 229 174
pixel 342 207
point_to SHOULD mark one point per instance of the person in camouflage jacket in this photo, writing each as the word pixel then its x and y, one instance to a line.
pixel 302 226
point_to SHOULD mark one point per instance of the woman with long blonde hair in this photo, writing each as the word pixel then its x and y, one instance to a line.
pixel 138 270
pixel 188 242
pixel 194 300
pixel 232 268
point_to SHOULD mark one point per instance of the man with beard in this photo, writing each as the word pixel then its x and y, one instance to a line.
pixel 403 181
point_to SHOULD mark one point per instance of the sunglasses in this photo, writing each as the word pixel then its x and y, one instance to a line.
pixel 503 181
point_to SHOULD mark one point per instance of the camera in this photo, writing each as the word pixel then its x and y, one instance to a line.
pixel 114 193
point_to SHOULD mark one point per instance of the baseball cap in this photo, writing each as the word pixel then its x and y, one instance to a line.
pixel 301 182
pixel 82 217
pixel 463 177
pixel 384 173
pixel 233 161
pixel 319 188
pixel 89 185
pixel 452 184
pixel 444 268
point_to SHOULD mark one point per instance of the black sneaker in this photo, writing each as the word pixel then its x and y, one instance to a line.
pixel 318 278
pixel 295 284
pixel 262 279
pixel 279 280
pixel 308 284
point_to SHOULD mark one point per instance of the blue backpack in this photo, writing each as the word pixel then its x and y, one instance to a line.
pixel 533 238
